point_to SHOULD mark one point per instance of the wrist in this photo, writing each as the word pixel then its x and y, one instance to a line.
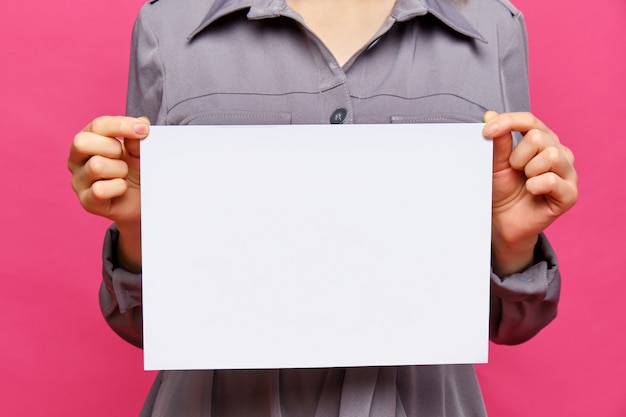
pixel 129 246
pixel 512 257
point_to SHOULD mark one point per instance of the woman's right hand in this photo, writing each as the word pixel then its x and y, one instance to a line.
pixel 104 162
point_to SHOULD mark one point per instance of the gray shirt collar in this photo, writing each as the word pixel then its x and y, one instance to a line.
pixel 447 11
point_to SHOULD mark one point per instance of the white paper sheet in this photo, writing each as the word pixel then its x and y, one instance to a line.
pixel 315 246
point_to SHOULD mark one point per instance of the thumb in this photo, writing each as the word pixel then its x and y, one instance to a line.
pixel 142 128
pixel 502 141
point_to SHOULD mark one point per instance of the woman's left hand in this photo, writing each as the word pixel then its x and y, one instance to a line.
pixel 533 184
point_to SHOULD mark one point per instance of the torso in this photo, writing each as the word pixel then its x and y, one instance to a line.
pixel 255 65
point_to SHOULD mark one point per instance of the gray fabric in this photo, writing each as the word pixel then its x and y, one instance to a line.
pixel 385 392
pixel 254 62
pixel 272 70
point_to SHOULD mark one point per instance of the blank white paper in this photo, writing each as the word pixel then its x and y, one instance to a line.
pixel 315 245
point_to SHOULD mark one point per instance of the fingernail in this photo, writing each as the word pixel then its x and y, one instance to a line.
pixel 490 129
pixel 140 128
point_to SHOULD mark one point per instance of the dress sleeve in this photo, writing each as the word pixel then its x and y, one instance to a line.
pixel 524 303
pixel 146 74
pixel 120 293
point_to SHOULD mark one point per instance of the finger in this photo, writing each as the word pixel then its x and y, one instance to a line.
pixel 120 126
pixel 551 159
pixel 502 144
pixel 126 128
pixel 104 190
pixel 87 144
pixel 534 142
pixel 563 193
pixel 97 198
pixel 132 146
pixel 98 168
pixel 489 115
pixel 513 122
pixel 99 138
pixel 569 154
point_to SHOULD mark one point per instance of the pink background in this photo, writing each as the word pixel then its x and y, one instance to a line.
pixel 65 62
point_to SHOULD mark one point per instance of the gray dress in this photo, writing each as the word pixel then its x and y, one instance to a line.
pixel 256 62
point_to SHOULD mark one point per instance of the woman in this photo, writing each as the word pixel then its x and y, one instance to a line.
pixel 334 61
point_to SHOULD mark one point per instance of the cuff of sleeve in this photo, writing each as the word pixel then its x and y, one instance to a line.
pixel 125 285
pixel 533 284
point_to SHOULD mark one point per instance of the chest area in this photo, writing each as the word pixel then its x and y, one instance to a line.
pixel 275 72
